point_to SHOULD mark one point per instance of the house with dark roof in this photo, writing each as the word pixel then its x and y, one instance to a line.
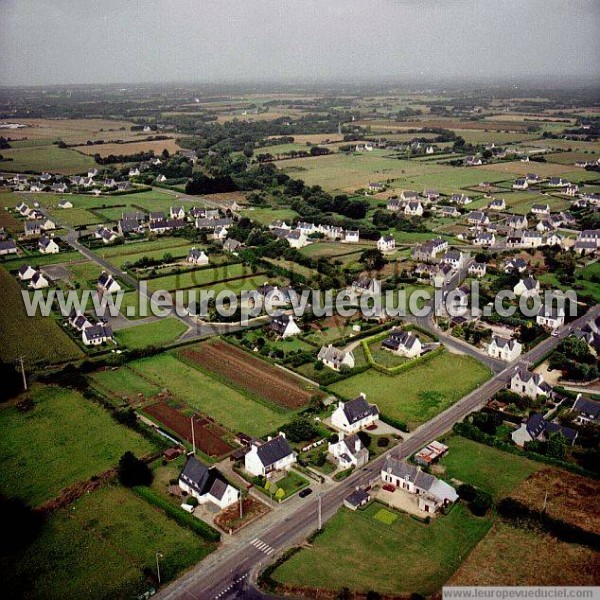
pixel 518 265
pixel 206 484
pixel 386 244
pixel 551 317
pixel 477 269
pixel 403 343
pixel 497 204
pixel 432 494
pixel 356 499
pixel 284 325
pixel 335 359
pixel 364 285
pixel 536 428
pixel 588 411
pixel 349 451
pixel 517 222
pixel 96 334
pixel 38 281
pixel 527 287
pixel 78 320
pixel 354 415
pixel 108 283
pixel 26 272
pixel 267 457
pixel 47 245
pixel 7 247
pixel 525 383
pixel 504 348
pixel 197 257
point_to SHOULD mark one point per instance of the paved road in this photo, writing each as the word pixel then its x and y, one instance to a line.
pixel 219 576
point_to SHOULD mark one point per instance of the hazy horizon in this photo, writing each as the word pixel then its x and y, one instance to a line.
pixel 56 42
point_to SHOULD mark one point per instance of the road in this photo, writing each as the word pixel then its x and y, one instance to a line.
pixel 227 572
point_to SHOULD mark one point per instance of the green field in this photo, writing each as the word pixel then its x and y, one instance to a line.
pixel 166 244
pixel 228 406
pixel 493 470
pixel 425 556
pixel 123 382
pixel 265 216
pixel 47 158
pixel 421 392
pixel 159 333
pixel 63 440
pixel 198 278
pixel 98 548
pixel 36 338
pixel 177 252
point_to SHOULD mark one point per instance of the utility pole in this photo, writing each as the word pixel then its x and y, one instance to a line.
pixel 158 555
pixel 193 435
pixel 319 496
pixel 20 359
pixel 241 506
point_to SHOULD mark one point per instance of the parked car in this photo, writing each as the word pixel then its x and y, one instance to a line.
pixel 305 492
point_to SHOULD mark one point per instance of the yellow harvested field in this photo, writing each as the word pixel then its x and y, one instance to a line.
pixel 517 167
pixel 317 138
pixel 266 116
pixel 131 147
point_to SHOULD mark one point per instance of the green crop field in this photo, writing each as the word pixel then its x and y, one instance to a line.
pixel 64 439
pixel 417 394
pixel 159 333
pixel 46 158
pixel 229 407
pixel 123 382
pixel 265 216
pixel 473 463
pixel 36 338
pixel 98 548
pixel 129 249
pixel 175 252
pixel 428 554
pixel 198 278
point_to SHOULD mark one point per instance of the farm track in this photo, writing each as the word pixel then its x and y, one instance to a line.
pixel 250 373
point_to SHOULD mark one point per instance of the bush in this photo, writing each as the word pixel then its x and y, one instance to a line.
pixel 466 492
pixel 383 442
pixel 280 493
pixel 334 438
pixel 192 501
pixel 133 471
pixel 481 503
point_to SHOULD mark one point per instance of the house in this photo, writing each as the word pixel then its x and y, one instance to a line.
pixel 531 239
pixel 472 161
pixel 551 317
pixel 571 190
pixel 267 457
pixel 557 182
pixel 107 283
pixel 296 239
pixel 431 453
pixel 409 195
pixel 207 484
pixel 431 195
pixel 515 264
pixel 331 232
pixel 335 359
pixel 108 236
pixel 38 281
pixel 26 272
pixel 517 222
pixel 109 183
pixel 96 334
pixel 430 249
pixel 351 237
pixel 532 178
pixel 7 247
pixel 48 246
pixel 133 172
pixel 497 204
pixel 450 211
pixel 197 257
pixel 460 199
pixel 78 320
pixel 354 415
pixel 394 204
pixel 432 493
pixel 443 275
pixel 386 244
pixel 413 208
pixel 520 184
pixel 279 225
pixel 484 239
pixel 32 228
pixel 220 232
pixel 536 428
pixel 504 349
pixel 455 258
pixel 544 225
pixel 584 248
pixel 160 227
pixel 156 215
pixel 540 209
pixel 124 186
pixel 477 269
pixel 284 325
pixel 527 287
pixel 231 245
pixel 356 499
pixel 126 226
pixel 403 343
pixel 588 411
pixel 349 451
pixel 590 235
pixel 554 239
pixel 65 204
pixel 177 212
pixel 478 218
pixel 530 384
pixel 364 285
pixel 92 173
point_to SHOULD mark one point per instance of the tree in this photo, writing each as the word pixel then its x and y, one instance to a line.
pixel 133 471
pixel 372 259
pixel 300 429
pixel 481 503
pixel 20 525
pixel 556 446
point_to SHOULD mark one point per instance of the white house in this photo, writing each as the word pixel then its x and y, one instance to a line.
pixel 364 285
pixel 386 244
pixel 432 493
pixel 65 204
pixel 504 349
pixel 26 272
pixel 530 384
pixel 540 209
pixel 588 411
pixel 484 239
pixel 520 184
pixel 7 247
pixel 531 239
pixel 349 451
pixel 537 428
pixel 284 325
pixel 477 269
pixel 354 415
pixel 527 287
pixel 413 209
pixel 551 317
pixel 351 237
pixel 220 232
pixel 497 204
pixel 297 239
pixel 96 334
pixel 455 258
pixel 266 457
pixel 518 222
pixel 107 283
pixel 207 484
pixel 177 212
pixel 197 257
pixel 335 359
pixel 38 281
pixel 48 246
pixel 48 224
pixel 403 343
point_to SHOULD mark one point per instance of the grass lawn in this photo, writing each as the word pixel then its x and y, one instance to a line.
pixel 123 382
pixel 64 439
pixel 290 484
pixel 228 406
pixel 265 216
pixel 197 278
pixel 428 554
pixel 493 470
pixel 159 333
pixel 98 548
pixel 417 394
pixel 47 158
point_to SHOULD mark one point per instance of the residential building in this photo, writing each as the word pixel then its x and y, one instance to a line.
pixel 588 411
pixel 8 247
pixel 386 244
pixel 107 283
pixel 96 334
pixel 354 415
pixel 527 287
pixel 264 458
pixel 530 384
pixel 497 204
pixel 197 257
pixel 477 269
pixel 48 246
pixel 536 428
pixel 551 317
pixel 349 451
pixel 335 359
pixel 26 272
pixel 284 325
pixel 38 281
pixel 504 349
pixel 404 343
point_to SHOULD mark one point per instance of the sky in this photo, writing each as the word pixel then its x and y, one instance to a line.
pixel 54 42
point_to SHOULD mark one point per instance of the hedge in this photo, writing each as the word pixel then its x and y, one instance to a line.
pixel 178 514
pixel 393 422
pixel 413 362
pixel 468 430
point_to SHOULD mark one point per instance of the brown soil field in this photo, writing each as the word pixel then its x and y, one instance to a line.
pixel 512 556
pixel 444 123
pixel 517 167
pixel 130 148
pixel 252 374
pixel 9 222
pixel 209 435
pixel 569 497
pixel 228 197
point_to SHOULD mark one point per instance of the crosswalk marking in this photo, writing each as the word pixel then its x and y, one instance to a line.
pixel 222 593
pixel 262 546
